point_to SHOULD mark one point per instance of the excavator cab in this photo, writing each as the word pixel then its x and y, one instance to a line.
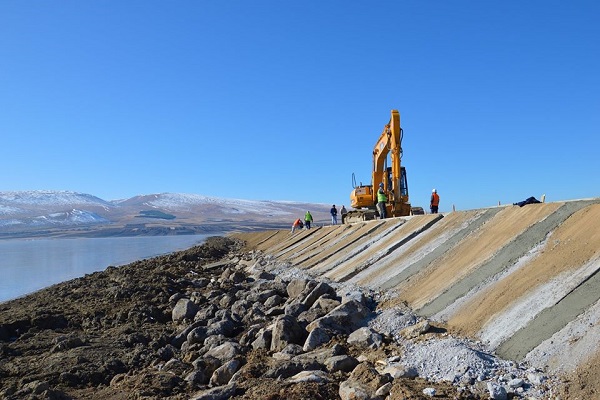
pixel 361 196
pixel 403 181
pixel 398 204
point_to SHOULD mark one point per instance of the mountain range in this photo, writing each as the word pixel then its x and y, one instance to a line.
pixel 43 213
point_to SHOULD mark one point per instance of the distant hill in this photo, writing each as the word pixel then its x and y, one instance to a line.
pixel 64 213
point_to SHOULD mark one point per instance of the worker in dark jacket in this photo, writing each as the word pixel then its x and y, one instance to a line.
pixel 333 213
pixel 381 200
pixel 435 202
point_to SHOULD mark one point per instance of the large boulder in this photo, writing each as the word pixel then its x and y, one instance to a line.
pixel 225 351
pixel 184 309
pixel 286 330
pixel 345 318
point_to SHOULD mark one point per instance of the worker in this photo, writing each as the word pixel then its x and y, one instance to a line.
pixel 343 212
pixel 308 219
pixel 381 200
pixel 333 213
pixel 435 202
pixel 297 224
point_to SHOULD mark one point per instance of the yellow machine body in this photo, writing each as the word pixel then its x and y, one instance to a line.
pixel 363 198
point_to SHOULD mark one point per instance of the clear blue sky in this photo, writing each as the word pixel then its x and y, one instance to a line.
pixel 283 100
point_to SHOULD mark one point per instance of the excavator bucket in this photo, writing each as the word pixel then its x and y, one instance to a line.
pixel 417 211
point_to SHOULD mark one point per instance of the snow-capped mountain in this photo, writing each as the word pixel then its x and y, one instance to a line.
pixel 181 202
pixel 35 213
pixel 31 203
pixel 49 198
pixel 58 219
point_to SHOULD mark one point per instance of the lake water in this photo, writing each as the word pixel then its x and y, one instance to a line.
pixel 27 265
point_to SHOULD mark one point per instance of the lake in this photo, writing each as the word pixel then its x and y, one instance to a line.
pixel 27 265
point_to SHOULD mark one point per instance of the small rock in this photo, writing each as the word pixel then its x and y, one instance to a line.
pixel 536 379
pixel 316 338
pixel 197 377
pixel 223 374
pixel 515 383
pixel 184 309
pixel 352 390
pixel 384 390
pixel 286 330
pixel 414 331
pixel 400 371
pixel 225 352
pixel 309 376
pixel 496 392
pixel 218 393
pixel 365 337
pixel 341 363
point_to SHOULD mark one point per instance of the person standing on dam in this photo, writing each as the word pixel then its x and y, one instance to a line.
pixel 308 218
pixel 435 202
pixel 381 200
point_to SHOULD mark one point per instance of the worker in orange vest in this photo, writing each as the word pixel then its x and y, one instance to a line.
pixel 435 201
pixel 297 224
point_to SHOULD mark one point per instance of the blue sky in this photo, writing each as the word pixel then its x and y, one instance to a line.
pixel 282 100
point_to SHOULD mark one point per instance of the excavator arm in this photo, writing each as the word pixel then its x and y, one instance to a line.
pixel 393 177
pixel 389 143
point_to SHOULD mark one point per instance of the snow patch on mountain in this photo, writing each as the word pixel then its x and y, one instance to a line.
pixel 8 210
pixel 51 197
pixel 73 217
pixel 182 201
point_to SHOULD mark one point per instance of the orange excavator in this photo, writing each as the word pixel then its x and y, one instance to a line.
pixel 393 178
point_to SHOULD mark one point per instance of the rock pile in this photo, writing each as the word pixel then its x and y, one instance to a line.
pixel 241 327
pixel 305 331
pixel 319 332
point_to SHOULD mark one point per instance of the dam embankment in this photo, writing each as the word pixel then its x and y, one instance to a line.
pixel 524 280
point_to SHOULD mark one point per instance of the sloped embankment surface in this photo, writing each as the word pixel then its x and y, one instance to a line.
pixel 523 280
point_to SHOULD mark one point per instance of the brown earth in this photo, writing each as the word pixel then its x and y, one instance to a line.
pixel 101 337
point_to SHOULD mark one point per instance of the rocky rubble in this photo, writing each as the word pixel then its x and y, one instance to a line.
pixel 217 322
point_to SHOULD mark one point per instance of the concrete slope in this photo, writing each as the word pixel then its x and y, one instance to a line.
pixel 522 279
pixel 351 245
pixel 423 249
pixel 380 247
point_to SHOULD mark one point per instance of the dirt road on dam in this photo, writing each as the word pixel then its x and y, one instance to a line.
pixel 523 280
